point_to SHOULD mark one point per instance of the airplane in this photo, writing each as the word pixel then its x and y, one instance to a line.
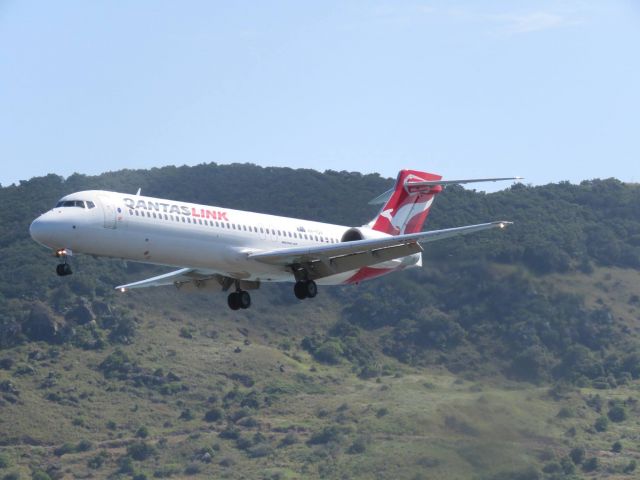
pixel 220 249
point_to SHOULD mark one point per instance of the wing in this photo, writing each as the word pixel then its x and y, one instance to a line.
pixel 191 278
pixel 325 260
pixel 172 278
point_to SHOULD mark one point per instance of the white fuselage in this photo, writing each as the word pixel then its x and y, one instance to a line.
pixel 178 234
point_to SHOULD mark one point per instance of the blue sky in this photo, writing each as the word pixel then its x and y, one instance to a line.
pixel 549 90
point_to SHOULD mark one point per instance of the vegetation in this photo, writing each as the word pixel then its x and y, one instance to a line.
pixel 511 354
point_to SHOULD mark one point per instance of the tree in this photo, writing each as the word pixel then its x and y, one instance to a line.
pixel 577 455
pixel 601 424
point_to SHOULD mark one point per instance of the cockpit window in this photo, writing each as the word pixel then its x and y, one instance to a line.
pixel 90 204
pixel 71 203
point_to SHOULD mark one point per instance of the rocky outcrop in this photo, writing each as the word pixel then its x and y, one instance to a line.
pixel 81 314
pixel 42 324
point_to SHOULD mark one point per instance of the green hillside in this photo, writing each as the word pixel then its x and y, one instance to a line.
pixel 509 355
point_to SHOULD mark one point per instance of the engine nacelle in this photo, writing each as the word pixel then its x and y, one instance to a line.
pixel 361 233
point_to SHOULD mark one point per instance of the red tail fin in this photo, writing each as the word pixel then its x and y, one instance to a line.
pixel 408 207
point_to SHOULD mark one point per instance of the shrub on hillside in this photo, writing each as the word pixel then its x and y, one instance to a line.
pixel 359 445
pixel 214 415
pixel 617 413
pixel 186 414
pixel 289 439
pixel 591 464
pixel 40 475
pixel 64 449
pixel 261 449
pixel 117 365
pixel 630 467
pixel 577 455
pixel 330 351
pixel 97 461
pixel 601 424
pixel 328 434
pixel 140 450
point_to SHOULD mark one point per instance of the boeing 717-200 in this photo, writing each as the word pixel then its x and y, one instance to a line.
pixel 217 248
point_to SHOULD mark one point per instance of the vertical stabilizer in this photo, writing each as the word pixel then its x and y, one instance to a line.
pixel 409 204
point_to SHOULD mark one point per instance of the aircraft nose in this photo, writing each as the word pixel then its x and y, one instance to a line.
pixel 37 230
pixel 45 230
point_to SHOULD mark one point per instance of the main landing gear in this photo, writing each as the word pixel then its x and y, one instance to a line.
pixel 305 289
pixel 239 299
pixel 63 269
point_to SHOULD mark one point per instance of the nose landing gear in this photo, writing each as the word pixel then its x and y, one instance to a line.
pixel 63 269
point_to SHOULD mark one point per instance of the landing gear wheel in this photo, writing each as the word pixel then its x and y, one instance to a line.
pixel 234 301
pixel 239 299
pixel 305 289
pixel 300 289
pixel 312 288
pixel 244 299
pixel 63 269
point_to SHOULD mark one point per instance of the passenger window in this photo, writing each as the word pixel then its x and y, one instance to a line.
pixel 166 217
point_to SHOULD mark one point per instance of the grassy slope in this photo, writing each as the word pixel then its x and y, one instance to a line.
pixel 436 425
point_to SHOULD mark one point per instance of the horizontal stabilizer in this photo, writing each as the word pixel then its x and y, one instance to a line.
pixel 382 198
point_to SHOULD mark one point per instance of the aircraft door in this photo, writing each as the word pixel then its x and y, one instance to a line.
pixel 109 211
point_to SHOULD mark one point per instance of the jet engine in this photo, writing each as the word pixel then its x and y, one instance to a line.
pixel 361 233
